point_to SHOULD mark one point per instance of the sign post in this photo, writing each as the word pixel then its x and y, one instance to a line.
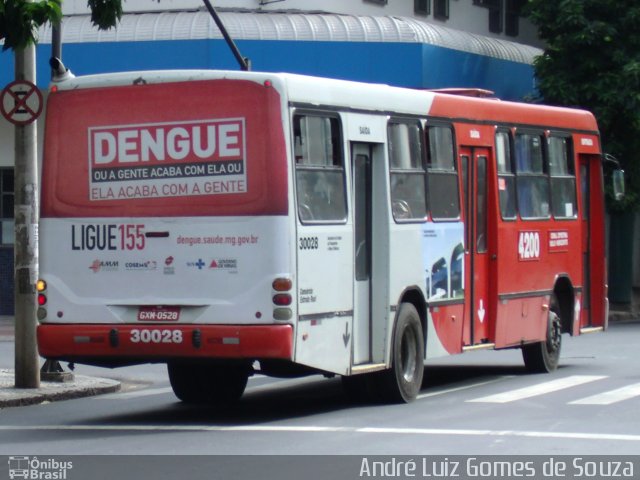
pixel 21 105
pixel 21 102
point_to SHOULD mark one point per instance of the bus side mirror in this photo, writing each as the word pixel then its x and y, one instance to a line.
pixel 618 184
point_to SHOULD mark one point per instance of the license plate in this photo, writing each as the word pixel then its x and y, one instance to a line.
pixel 159 314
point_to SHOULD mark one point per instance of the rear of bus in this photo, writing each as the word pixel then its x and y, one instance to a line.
pixel 164 231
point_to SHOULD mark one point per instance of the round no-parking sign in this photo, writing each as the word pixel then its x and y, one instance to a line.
pixel 21 102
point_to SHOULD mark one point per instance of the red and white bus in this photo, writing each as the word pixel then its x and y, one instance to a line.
pixel 231 222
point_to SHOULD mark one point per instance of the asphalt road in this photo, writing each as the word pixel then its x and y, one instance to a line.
pixel 480 403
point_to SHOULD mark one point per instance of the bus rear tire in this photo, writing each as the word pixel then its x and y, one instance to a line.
pixel 402 382
pixel 198 383
pixel 544 357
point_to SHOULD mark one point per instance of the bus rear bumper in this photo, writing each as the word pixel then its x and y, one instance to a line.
pixel 158 342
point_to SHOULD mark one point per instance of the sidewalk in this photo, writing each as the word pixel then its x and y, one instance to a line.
pixel 80 386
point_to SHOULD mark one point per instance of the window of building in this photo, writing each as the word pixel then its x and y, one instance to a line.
pixel 320 175
pixel 442 179
pixel 531 176
pixel 513 12
pixel 495 20
pixel 441 9
pixel 506 176
pixel 496 11
pixel 6 206
pixel 408 196
pixel 380 2
pixel 563 179
pixel 422 7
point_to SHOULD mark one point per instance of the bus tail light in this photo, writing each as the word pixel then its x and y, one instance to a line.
pixel 282 314
pixel 41 287
pixel 282 284
pixel 282 299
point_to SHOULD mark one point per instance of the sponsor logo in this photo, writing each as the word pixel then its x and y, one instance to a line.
pixel 224 264
pixel 199 264
pixel 141 266
pixel 104 266
pixel 169 269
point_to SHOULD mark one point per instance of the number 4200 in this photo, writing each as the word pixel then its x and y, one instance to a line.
pixel 529 245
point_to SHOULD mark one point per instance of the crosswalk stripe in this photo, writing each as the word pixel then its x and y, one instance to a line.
pixel 463 387
pixel 538 389
pixel 612 396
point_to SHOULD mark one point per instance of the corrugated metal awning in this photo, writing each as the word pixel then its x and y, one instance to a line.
pixel 190 25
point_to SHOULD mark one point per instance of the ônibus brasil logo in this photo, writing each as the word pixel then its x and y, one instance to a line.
pixel 38 469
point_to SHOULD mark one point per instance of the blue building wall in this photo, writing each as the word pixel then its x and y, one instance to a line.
pixel 403 64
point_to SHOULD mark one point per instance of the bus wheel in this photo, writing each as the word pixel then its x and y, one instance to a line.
pixel 543 357
pixel 402 382
pixel 205 383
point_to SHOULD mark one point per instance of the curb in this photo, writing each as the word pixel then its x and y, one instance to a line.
pixel 80 386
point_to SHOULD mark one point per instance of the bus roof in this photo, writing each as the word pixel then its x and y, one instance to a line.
pixel 318 92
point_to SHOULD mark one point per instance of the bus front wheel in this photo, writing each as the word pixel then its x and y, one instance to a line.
pixel 206 383
pixel 402 382
pixel 543 357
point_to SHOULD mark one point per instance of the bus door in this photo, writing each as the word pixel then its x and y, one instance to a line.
pixel 370 276
pixel 585 317
pixel 324 244
pixel 592 306
pixel 474 165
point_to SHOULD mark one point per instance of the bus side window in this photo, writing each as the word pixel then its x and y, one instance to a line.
pixel 531 179
pixel 563 177
pixel 442 178
pixel 320 177
pixel 506 176
pixel 408 196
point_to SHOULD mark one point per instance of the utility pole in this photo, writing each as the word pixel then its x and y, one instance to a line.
pixel 27 373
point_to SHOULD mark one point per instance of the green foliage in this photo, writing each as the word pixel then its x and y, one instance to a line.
pixel 592 61
pixel 19 20
pixel 105 13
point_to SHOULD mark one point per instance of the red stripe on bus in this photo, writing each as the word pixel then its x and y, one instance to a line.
pixel 159 341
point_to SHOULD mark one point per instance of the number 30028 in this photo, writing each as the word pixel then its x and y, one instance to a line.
pixel 155 336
